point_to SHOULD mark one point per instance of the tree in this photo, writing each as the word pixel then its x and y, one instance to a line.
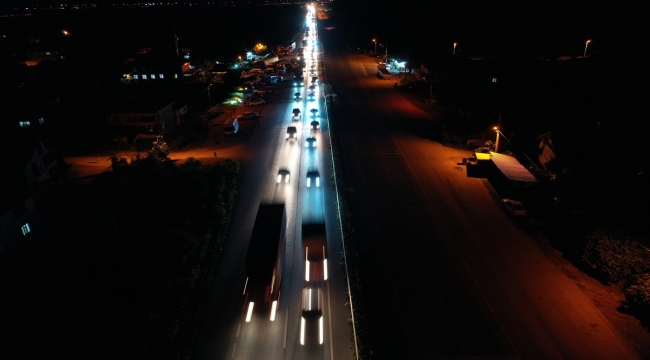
pixel 159 151
pixel 618 256
pixel 638 293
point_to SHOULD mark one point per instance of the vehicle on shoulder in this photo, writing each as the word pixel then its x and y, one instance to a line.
pixel 514 207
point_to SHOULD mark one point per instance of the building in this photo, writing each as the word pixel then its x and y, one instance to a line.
pixel 25 172
pixel 155 66
pixel 137 117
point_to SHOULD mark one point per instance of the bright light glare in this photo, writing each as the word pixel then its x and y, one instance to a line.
pixel 317 181
pixel 308 182
pixel 325 269
pixel 287 179
pixel 274 306
pixel 250 311
pixel 320 330
pixel 279 178
pixel 302 331
pixel 307 271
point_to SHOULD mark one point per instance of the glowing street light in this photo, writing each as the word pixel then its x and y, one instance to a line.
pixel 586 45
pixel 375 41
pixel 455 48
pixel 65 32
pixel 496 146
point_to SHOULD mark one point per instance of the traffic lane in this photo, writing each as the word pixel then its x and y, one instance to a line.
pixel 261 161
pixel 369 164
pixel 539 307
pixel 225 297
pixel 413 296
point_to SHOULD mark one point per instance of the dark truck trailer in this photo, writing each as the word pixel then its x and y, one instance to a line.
pixel 264 261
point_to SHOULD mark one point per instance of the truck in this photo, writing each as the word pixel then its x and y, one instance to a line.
pixel 264 261
pixel 383 74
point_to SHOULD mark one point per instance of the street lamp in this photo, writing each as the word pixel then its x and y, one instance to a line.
pixel 455 49
pixel 586 45
pixel 208 90
pixel 496 146
pixel 65 33
pixel 375 41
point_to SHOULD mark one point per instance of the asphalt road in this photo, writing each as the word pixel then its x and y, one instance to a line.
pixel 453 276
pixel 226 334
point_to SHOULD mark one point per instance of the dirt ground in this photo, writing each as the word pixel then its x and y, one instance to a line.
pixel 606 298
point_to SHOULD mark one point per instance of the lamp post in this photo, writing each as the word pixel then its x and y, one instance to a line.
pixel 208 90
pixel 586 45
pixel 496 146
pixel 375 41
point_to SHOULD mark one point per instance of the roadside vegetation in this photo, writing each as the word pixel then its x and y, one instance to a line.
pixel 127 269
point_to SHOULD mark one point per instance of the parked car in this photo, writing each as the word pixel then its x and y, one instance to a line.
pixel 514 207
pixel 250 115
pixel 256 102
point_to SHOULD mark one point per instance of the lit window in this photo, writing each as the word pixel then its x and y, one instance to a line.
pixel 135 76
pixel 41 121
pixel 144 77
pixel 175 76
pixel 160 76
pixel 26 229
pixel 153 76
pixel 494 79
pixel 25 124
pixel 47 53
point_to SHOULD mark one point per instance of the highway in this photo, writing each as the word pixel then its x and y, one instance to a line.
pixel 452 275
pixel 226 334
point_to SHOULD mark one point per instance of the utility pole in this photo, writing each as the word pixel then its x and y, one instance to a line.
pixel 498 131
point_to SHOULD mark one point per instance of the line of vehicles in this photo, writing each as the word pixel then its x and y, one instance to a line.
pixel 265 256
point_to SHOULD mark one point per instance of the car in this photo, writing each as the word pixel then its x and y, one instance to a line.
pixel 296 111
pixel 314 79
pixel 249 115
pixel 311 322
pixel 310 142
pixel 312 87
pixel 513 207
pixel 256 102
pixel 297 83
pixel 313 177
pixel 292 133
pixel 283 176
pixel 311 96
pixel 297 96
pixel 312 74
pixel 315 125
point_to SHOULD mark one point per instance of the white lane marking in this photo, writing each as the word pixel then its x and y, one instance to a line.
pixel 238 328
pixel 329 316
pixel 233 351
pixel 286 321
